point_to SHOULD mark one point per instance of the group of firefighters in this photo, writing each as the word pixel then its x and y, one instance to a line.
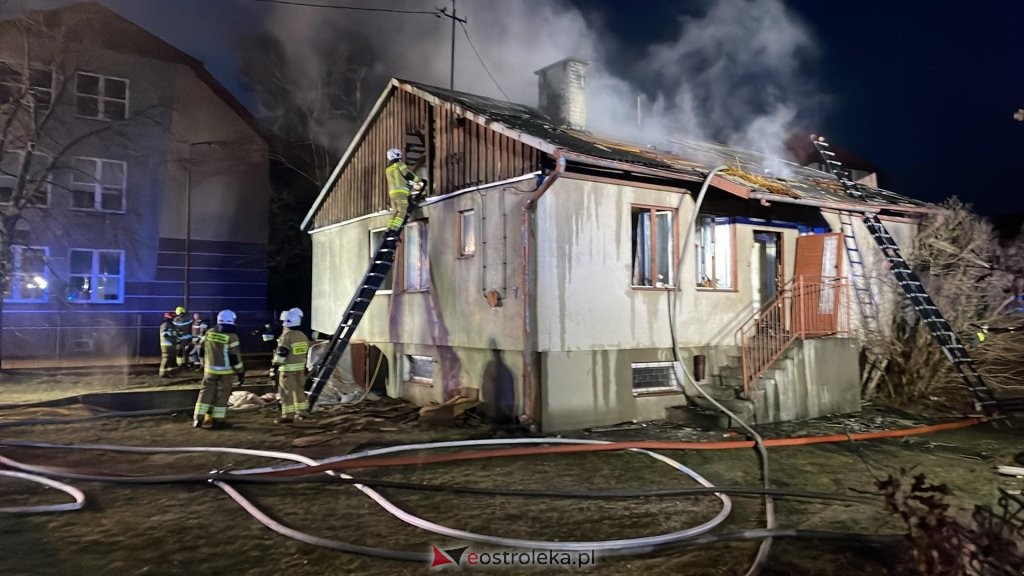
pixel 218 351
pixel 188 342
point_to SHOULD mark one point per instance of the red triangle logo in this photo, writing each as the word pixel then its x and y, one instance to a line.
pixel 440 558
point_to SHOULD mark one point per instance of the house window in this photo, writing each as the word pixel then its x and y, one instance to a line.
pixel 98 184
pixel 101 97
pixel 467 233
pixel 36 190
pixel 653 239
pixel 376 236
pixel 29 279
pixel 13 82
pixel 715 253
pixel 96 276
pixel 655 377
pixel 419 369
pixel 417 258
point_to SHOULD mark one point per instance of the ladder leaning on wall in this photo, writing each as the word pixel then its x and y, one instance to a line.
pixel 867 303
pixel 910 283
pixel 381 263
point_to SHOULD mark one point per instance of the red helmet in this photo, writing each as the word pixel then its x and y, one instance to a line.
pixel 168 315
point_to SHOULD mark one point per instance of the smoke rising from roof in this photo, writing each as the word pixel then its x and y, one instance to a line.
pixel 732 74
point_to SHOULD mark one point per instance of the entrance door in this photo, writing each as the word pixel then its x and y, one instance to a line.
pixel 767 281
pixel 816 294
pixel 768 251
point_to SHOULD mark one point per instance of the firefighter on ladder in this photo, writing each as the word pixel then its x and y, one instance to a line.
pixel 400 180
pixel 290 362
pixel 222 357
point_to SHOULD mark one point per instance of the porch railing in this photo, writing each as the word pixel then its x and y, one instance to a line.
pixel 806 307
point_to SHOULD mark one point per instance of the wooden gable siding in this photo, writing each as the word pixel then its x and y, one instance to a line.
pixel 360 188
pixel 470 154
pixel 461 153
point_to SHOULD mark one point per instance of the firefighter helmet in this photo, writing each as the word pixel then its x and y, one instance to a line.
pixel 225 317
pixel 291 318
pixel 394 154
pixel 179 310
pixel 168 315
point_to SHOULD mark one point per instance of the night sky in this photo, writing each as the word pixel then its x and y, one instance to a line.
pixel 926 93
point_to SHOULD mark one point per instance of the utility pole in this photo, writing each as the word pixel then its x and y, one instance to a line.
pixel 443 13
pixel 451 78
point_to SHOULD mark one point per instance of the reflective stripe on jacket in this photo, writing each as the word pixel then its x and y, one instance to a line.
pixel 218 348
pixel 291 351
pixel 398 176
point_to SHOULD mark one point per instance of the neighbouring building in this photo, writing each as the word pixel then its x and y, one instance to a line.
pixel 155 187
pixel 546 266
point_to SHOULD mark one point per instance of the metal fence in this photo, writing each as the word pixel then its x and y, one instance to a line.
pixel 134 340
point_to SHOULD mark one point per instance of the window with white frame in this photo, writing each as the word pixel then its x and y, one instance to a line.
pixel 36 190
pixel 376 236
pixel 467 233
pixel 655 377
pixel 653 239
pixel 101 97
pixel 715 252
pixel 39 84
pixel 417 257
pixel 96 276
pixel 29 276
pixel 419 369
pixel 98 184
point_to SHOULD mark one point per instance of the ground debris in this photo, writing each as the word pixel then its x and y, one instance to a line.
pixel 383 414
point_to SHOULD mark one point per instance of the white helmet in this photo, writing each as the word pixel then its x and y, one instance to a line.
pixel 225 317
pixel 394 154
pixel 291 318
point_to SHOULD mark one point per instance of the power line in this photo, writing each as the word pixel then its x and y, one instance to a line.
pixel 353 8
pixel 478 57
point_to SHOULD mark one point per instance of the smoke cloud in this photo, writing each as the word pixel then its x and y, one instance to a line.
pixel 733 73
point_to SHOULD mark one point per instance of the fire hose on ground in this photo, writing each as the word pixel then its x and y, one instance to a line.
pixel 369 458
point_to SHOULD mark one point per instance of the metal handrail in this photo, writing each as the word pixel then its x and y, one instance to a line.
pixel 803 308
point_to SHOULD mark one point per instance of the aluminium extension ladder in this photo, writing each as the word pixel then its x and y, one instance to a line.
pixel 910 283
pixel 380 265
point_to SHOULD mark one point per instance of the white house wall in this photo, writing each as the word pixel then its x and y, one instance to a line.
pixel 592 324
pixel 452 321
pixel 585 300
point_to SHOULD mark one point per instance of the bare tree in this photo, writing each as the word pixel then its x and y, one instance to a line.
pixel 975 281
pixel 310 107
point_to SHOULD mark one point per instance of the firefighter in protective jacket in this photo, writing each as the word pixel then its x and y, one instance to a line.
pixel 222 358
pixel 399 180
pixel 183 335
pixel 168 344
pixel 290 362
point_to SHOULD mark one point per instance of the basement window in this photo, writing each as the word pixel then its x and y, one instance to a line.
pixel 655 378
pixel 419 369
pixel 653 240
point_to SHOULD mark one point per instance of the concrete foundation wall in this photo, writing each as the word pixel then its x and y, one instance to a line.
pixel 594 388
pixel 814 378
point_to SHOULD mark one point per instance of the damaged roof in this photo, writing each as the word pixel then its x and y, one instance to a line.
pixel 748 171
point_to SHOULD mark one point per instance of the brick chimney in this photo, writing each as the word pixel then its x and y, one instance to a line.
pixel 562 93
